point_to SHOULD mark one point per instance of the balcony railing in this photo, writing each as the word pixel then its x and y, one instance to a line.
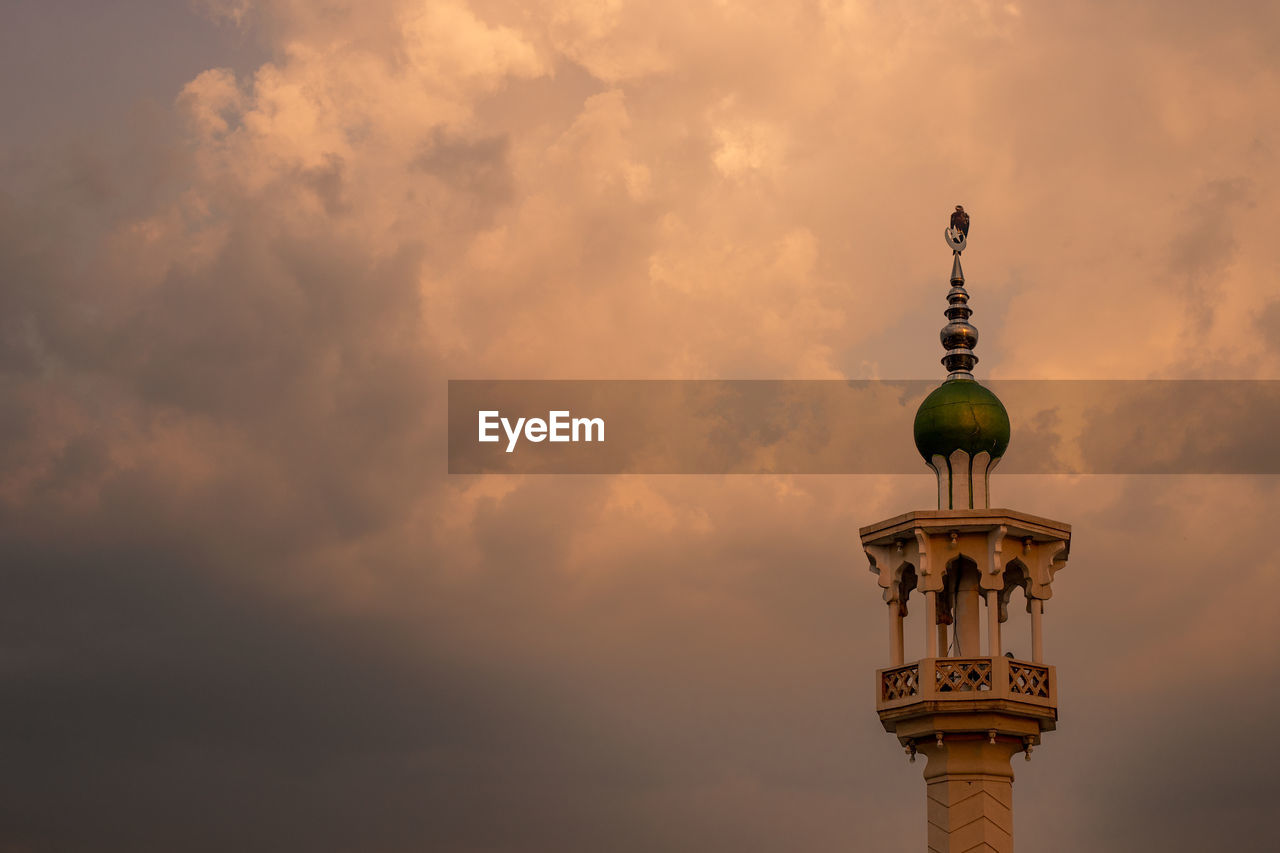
pixel 966 679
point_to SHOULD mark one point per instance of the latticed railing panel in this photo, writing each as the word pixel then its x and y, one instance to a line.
pixel 900 683
pixel 957 675
pixel 1029 680
pixel 960 680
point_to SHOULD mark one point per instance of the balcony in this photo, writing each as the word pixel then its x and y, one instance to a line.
pixel 955 683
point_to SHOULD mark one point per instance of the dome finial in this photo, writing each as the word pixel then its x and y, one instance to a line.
pixel 959 336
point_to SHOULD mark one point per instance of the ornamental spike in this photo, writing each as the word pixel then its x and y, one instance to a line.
pixel 959 336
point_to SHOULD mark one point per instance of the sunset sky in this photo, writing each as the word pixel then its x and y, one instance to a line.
pixel 244 244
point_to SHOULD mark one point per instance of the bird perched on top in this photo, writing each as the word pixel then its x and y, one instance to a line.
pixel 960 220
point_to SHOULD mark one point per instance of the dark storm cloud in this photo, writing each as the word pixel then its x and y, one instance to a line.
pixel 198 715
pixel 205 708
pixel 476 166
pixel 1268 325
pixel 327 182
pixel 1223 794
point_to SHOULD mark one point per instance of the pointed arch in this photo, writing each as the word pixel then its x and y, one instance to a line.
pixel 1016 574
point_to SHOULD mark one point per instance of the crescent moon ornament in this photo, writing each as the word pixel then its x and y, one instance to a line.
pixel 955 239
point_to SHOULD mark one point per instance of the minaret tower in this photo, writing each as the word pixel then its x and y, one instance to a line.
pixel 965 704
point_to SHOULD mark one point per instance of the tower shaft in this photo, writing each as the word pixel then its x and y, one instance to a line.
pixel 970 795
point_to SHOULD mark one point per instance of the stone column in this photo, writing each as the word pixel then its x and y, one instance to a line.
pixel 970 790
pixel 1037 630
pixel 993 624
pixel 967 629
pixel 930 616
pixel 895 633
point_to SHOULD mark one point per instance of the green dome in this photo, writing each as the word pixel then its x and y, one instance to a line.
pixel 960 414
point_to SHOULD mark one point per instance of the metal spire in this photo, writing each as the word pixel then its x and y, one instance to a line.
pixel 959 336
